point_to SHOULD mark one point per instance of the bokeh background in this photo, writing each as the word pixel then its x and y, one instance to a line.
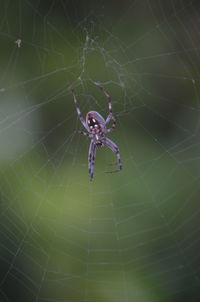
pixel 129 236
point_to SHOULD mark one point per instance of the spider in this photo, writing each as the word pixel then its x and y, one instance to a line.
pixel 96 127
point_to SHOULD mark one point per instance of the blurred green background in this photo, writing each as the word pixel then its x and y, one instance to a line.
pixel 130 236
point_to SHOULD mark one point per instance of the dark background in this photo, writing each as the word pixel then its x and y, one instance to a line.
pixel 129 236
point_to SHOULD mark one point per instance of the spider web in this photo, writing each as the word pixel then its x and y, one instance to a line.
pixel 130 236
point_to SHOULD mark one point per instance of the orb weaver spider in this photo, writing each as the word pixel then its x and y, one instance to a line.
pixel 96 127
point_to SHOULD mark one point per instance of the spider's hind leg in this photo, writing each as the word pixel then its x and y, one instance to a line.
pixel 113 125
pixel 110 115
pixel 83 133
pixel 78 110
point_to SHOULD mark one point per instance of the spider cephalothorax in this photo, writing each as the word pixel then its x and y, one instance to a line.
pixel 96 127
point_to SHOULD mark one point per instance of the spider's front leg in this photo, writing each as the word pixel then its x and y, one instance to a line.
pixel 90 156
pixel 78 110
pixel 91 159
pixel 115 149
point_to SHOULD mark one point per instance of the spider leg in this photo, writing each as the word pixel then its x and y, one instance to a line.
pixel 109 117
pixel 113 125
pixel 115 149
pixel 83 133
pixel 90 154
pixel 92 161
pixel 78 110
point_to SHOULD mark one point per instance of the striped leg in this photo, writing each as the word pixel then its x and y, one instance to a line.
pixel 93 160
pixel 115 149
pixel 78 111
pixel 113 125
pixel 109 106
pixel 90 157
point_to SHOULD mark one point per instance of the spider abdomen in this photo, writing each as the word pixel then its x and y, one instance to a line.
pixel 95 122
